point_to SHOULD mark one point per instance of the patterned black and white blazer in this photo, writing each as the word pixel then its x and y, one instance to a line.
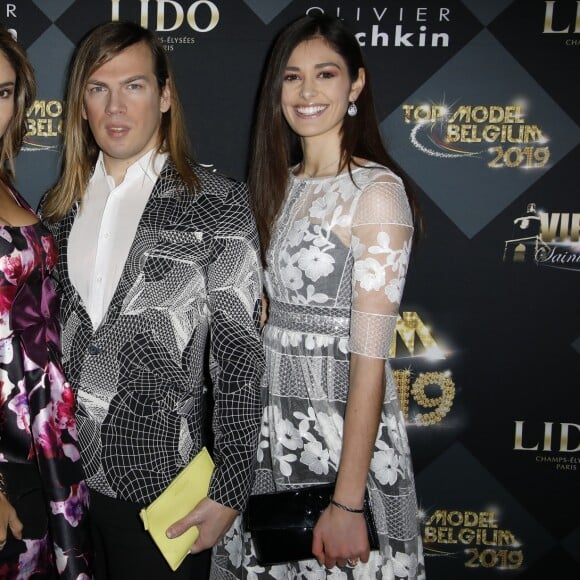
pixel 189 293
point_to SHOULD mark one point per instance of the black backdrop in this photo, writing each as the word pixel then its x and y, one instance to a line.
pixel 478 101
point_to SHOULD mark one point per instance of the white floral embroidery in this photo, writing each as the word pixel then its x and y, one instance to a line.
pixel 394 290
pixel 324 205
pixel 234 546
pixel 330 427
pixel 288 435
pixel 315 263
pixel 370 274
pixel 405 565
pixel 292 277
pixel 385 464
pixel 315 457
pixel 296 233
pixel 284 462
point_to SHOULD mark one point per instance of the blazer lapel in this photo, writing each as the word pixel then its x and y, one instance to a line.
pixel 158 212
pixel 65 287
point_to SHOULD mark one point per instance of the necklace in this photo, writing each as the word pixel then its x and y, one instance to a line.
pixel 320 170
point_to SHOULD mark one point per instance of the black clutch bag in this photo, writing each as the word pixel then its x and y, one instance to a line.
pixel 281 524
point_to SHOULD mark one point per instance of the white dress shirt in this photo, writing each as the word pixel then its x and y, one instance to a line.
pixel 104 229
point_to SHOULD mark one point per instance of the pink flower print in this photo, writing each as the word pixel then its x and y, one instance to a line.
pixel 50 250
pixel 12 268
pixel 7 293
pixel 9 570
pixel 64 401
pixel 74 506
pixel 47 434
pixel 33 250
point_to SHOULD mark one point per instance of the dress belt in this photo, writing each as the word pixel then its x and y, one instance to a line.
pixel 331 321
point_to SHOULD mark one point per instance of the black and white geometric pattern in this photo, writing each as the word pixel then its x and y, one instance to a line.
pixel 191 283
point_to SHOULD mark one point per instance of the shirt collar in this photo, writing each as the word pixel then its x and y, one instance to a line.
pixel 149 166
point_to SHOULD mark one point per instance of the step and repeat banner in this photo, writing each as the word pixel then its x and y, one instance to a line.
pixel 478 101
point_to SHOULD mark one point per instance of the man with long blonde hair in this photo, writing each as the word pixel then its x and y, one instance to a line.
pixel 158 273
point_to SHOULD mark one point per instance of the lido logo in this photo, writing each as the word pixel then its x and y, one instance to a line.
pixel 546 438
pixel 200 16
pixel 570 23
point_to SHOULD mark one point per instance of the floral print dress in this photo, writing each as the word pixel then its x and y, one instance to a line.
pixel 39 455
pixel 336 270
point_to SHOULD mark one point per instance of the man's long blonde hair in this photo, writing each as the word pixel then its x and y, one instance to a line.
pixel 80 150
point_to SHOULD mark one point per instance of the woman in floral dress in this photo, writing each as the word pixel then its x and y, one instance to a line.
pixel 336 233
pixel 43 498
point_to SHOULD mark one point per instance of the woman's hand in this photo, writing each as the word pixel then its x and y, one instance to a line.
pixel 8 519
pixel 340 536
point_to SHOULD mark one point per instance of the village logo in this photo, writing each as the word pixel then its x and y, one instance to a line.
pixel 545 239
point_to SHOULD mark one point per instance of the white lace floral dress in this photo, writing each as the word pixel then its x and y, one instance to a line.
pixel 336 271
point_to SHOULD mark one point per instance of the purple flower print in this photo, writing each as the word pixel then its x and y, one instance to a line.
pixel 19 406
pixel 36 559
pixel 74 506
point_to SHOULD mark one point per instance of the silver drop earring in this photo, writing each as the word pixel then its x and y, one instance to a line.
pixel 352 109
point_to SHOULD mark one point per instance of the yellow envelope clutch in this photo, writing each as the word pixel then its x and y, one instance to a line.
pixel 181 496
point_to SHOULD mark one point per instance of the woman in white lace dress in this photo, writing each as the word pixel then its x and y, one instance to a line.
pixel 336 231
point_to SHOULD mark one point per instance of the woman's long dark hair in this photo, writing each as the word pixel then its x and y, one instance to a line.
pixel 275 146
pixel 24 92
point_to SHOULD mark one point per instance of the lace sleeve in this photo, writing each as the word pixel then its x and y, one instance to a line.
pixel 381 240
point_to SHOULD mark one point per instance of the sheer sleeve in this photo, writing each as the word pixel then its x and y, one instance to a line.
pixel 382 230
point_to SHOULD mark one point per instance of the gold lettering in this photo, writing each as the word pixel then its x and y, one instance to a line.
pixel 430 534
pixel 410 325
pixel 519 438
pixel 466 535
pixel 462 114
pixel 479 114
pixel 453 133
pixel 437 517
pixel 403 380
pixel 575 227
pixel 491 133
pixel 564 437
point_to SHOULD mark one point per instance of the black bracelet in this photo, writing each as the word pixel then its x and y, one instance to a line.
pixel 346 508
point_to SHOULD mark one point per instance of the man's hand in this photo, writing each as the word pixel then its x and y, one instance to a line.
pixel 213 520
pixel 8 519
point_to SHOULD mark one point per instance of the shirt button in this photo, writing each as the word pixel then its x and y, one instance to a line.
pixel 93 349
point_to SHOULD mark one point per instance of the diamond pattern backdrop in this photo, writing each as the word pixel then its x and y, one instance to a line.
pixel 478 101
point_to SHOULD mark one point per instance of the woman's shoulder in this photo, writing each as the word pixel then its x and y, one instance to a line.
pixel 374 180
pixel 381 194
pixel 374 172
